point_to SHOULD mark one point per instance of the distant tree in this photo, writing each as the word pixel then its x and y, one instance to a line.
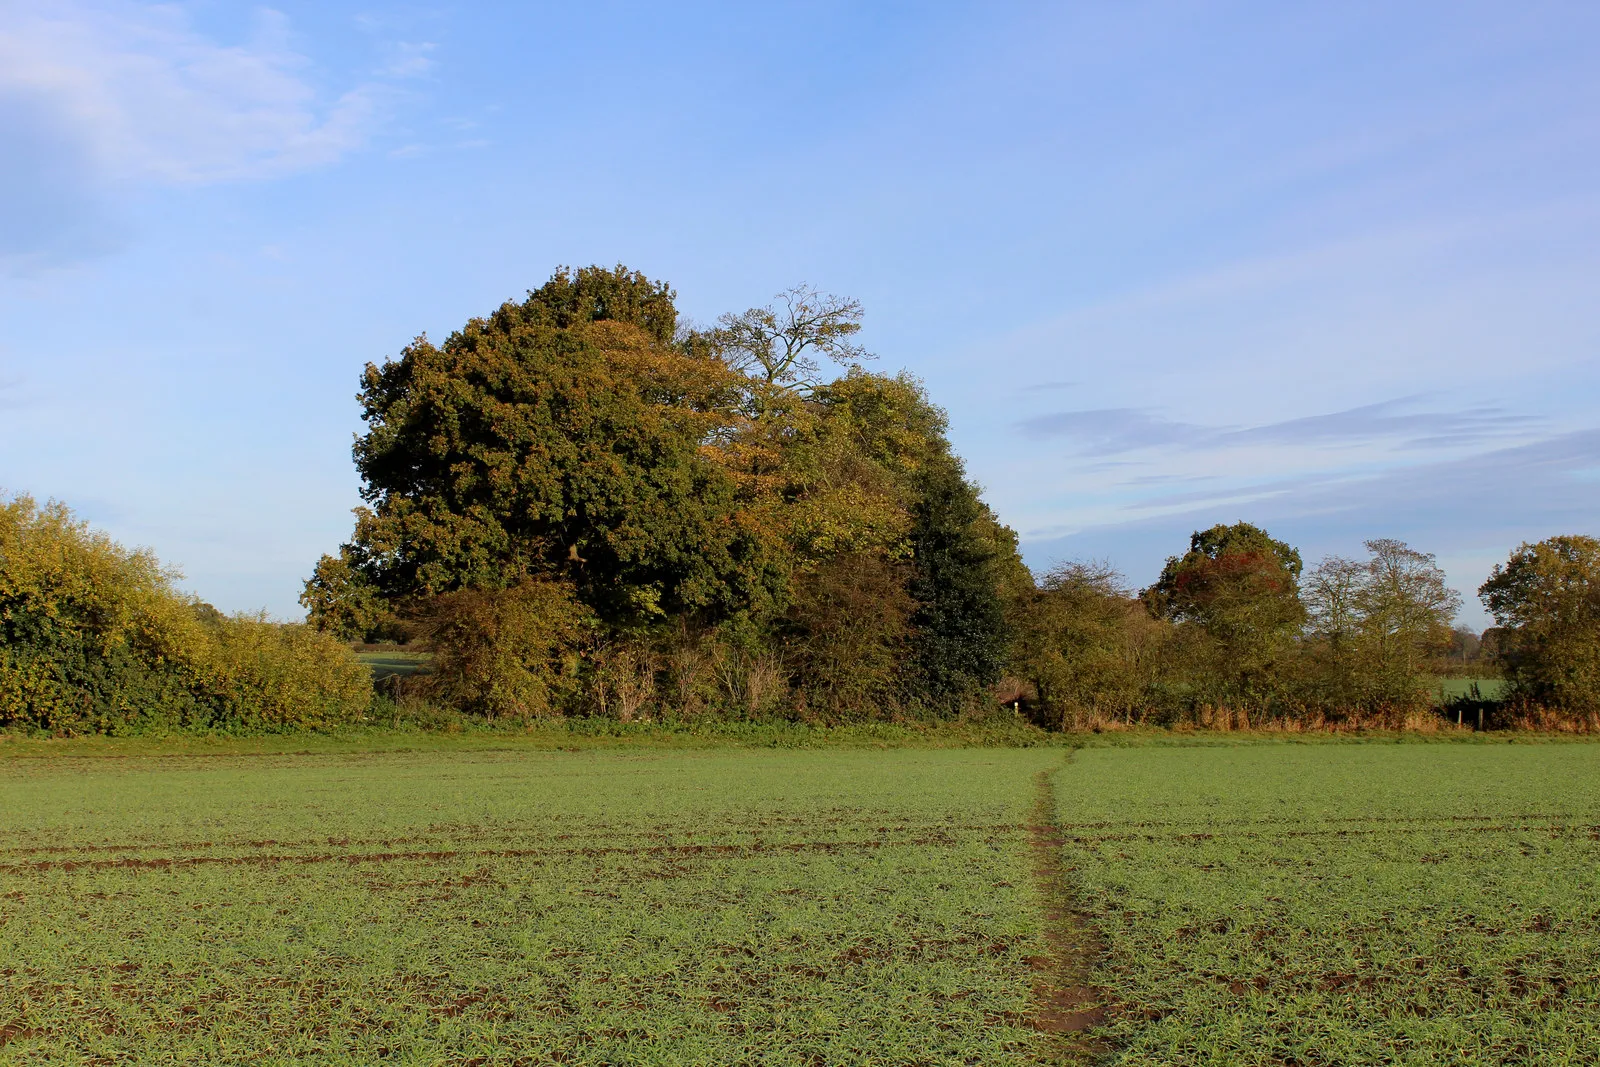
pixel 1332 596
pixel 1466 645
pixel 1240 586
pixel 1546 598
pixel 1489 647
pixel 1406 610
pixel 1376 625
pixel 1090 650
pixel 1332 593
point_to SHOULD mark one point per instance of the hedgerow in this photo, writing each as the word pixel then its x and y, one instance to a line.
pixel 96 638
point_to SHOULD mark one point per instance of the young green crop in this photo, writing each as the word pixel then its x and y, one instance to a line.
pixel 1264 903
pixel 582 908
pixel 1341 905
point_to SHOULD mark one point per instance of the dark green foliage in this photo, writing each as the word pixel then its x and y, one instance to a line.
pixel 846 635
pixel 560 439
pixel 599 294
pixel 960 636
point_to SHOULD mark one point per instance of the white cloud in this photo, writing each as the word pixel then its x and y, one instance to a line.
pixel 148 98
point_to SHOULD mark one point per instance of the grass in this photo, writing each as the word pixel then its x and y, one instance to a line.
pixel 839 907
pixel 390 662
pixel 1343 904
pixel 1448 689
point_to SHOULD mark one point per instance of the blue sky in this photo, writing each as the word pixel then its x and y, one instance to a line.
pixel 1334 269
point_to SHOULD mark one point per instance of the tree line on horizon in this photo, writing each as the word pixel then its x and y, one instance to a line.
pixel 581 505
pixel 587 507
pixel 1236 632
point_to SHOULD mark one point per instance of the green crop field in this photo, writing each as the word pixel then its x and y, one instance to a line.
pixel 1344 904
pixel 1455 688
pixel 1274 903
pixel 786 908
pixel 391 662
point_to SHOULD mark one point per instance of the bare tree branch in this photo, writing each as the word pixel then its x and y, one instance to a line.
pixel 782 344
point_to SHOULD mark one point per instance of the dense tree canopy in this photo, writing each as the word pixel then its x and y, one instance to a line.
pixel 583 508
pixel 563 437
pixel 958 554
pixel 704 497
pixel 1234 580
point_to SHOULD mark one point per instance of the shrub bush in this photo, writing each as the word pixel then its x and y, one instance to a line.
pixel 509 653
pixel 95 638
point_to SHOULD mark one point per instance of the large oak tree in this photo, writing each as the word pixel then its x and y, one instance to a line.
pixel 561 438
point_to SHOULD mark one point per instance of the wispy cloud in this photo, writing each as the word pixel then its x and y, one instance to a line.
pixel 1110 431
pixel 94 97
pixel 408 59
pixel 1389 420
pixel 1116 431
pixel 152 98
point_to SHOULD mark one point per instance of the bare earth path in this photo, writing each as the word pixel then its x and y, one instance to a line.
pixel 1068 1006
